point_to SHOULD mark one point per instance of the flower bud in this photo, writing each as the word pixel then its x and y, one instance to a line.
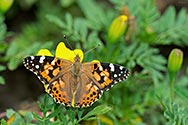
pixel 5 5
pixel 117 28
pixel 175 60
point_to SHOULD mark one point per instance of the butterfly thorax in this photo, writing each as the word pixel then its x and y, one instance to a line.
pixel 75 70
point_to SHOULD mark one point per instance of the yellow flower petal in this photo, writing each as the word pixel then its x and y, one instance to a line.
pixel 11 119
pixel 44 52
pixel 95 61
pixel 63 52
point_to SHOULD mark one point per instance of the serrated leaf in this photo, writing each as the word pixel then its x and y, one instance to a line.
pixel 92 10
pixel 175 114
pixel 170 16
pixel 181 14
pixel 40 105
pixel 53 114
pixel 36 116
pixel 182 91
pixel 56 20
pixel 69 21
pixel 80 28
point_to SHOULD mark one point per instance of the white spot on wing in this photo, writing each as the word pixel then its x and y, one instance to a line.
pixel 121 67
pixel 37 66
pixel 42 59
pixel 115 75
pixel 32 57
pixel 53 62
pixel 100 68
pixel 112 67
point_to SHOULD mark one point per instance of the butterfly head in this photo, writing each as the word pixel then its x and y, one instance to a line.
pixel 77 58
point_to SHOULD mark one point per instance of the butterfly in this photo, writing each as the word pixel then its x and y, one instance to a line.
pixel 75 84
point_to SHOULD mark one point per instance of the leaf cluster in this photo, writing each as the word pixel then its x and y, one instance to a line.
pixel 86 26
pixel 54 114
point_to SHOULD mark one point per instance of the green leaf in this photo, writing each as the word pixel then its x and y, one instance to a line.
pixel 175 114
pixel 3 28
pixel 173 32
pixel 80 27
pixel 17 118
pixel 13 64
pixel 28 117
pixel 36 116
pixel 102 109
pixel 3 47
pixel 3 122
pixel 2 80
pixel 91 10
pixel 56 20
pixel 69 21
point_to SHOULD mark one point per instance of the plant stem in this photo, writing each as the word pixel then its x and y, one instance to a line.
pixel 172 80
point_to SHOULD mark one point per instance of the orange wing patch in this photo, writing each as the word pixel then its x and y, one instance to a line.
pixel 87 99
pixel 58 92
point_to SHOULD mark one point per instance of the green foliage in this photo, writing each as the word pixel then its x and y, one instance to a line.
pixel 3 45
pixel 172 28
pixel 2 68
pixel 174 113
pixel 86 25
pixel 53 114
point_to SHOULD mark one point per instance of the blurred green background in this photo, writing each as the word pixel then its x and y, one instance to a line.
pixel 156 93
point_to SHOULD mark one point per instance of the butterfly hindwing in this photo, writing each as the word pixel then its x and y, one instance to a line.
pixel 87 94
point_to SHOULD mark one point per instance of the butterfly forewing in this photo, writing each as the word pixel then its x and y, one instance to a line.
pixel 52 72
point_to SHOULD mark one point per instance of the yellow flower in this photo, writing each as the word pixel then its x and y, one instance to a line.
pixel 117 28
pixel 63 52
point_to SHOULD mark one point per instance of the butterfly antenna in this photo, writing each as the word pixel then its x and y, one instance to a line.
pixel 67 42
pixel 93 48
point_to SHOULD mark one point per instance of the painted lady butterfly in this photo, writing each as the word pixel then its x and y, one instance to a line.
pixel 75 84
